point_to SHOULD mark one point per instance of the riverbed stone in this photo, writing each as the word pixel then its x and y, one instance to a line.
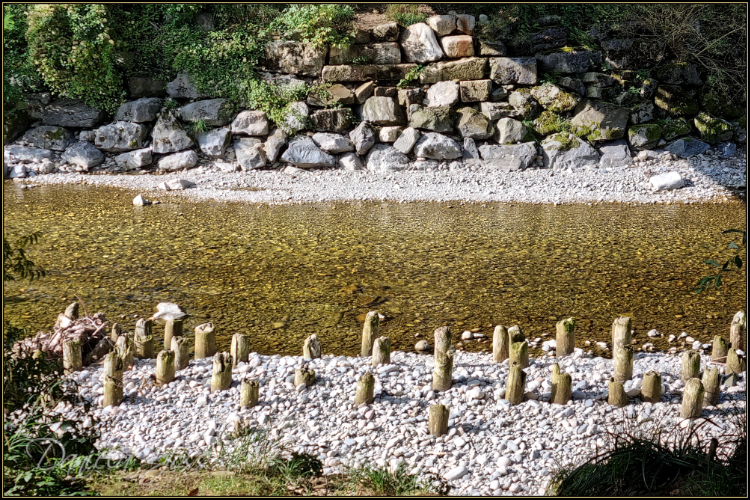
pixel 513 70
pixel 475 90
pixel 407 140
pixel 443 94
pixel 215 142
pixel 333 143
pixel 644 136
pixel 667 181
pixel 381 110
pixel 182 87
pixel 213 112
pixel 178 161
pixel 26 154
pixel 303 153
pixel 133 160
pixel 48 137
pixel 467 68
pixel 250 153
pixel 437 147
pixel 684 148
pixel 386 158
pixel 434 119
pixel 458 46
pixel 508 158
pixel 564 150
pixel 600 121
pixel 140 110
pixel 473 124
pixel 363 138
pixel 419 44
pixel 72 113
pixel 615 154
pixel 83 154
pixel 119 137
pixel 296 58
pixel 250 122
pixel 509 131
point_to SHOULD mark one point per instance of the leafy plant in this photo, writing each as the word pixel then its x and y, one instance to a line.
pixel 197 128
pixel 405 14
pixel 360 60
pixel 317 23
pixel 634 90
pixel 15 261
pixel 170 104
pixel 732 263
pixel 410 77
pixel 550 79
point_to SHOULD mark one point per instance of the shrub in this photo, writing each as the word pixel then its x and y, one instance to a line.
pixel 410 77
pixel 405 14
pixel 317 23
pixel 19 74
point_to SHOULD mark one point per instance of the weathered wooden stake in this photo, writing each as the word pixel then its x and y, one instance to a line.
pixel 72 358
pixel 515 335
pixel 621 331
pixel 691 365
pixel 115 333
pixel 311 348
pixel 617 396
pixel 622 350
pixel 205 341
pixel 738 332
pixel 566 336
pixel 734 363
pixel 165 367
pixel 249 392
pixel 240 349
pixel 500 344
pixel 516 386
pixel 370 332
pixel 712 386
pixel 381 351
pixel 437 422
pixel 125 347
pixel 519 351
pixel 563 390
pixel 113 389
pixel 442 374
pixel 304 375
pixel 719 349
pixel 555 377
pixel 692 399
pixel 365 389
pixel 144 339
pixel 181 352
pixel 172 328
pixel 221 377
pixel 651 387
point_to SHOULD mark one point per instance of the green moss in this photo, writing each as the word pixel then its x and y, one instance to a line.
pixel 566 141
pixel 651 131
pixel 133 143
pixel 57 135
pixel 675 101
pixel 674 128
pixel 713 129
pixel 561 49
pixel 548 123
pixel 743 122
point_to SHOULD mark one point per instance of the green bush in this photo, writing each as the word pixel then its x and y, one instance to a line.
pixel 19 74
pixel 405 14
pixel 317 23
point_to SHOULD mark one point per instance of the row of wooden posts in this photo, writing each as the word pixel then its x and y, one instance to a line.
pixel 510 344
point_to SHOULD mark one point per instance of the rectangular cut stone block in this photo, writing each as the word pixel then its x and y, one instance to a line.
pixel 458 46
pixel 513 70
pixel 515 157
pixel 349 73
pixel 393 72
pixel 469 68
pixel 496 110
pixel 475 90
pixel 442 25
pixel 376 53
pixel 295 57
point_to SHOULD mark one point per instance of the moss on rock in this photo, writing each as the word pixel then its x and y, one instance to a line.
pixel 644 136
pixel 675 101
pixel 675 127
pixel 713 129
pixel 566 142
pixel 548 123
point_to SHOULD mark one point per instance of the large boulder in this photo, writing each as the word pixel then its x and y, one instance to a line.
pixel 168 135
pixel 250 123
pixel 475 91
pixel 513 70
pixel 275 141
pixel 524 104
pixel 615 154
pixel 508 158
pixel 72 113
pixel 146 87
pixel 407 140
pixel 435 119
pixel 296 118
pixel 183 88
pixel 599 121
pixel 250 153
pixel 552 98
pixel 569 61
pixel 333 143
pixel 420 45
pixel 675 127
pixel 675 101
pixel 303 153
pixel 644 136
pixel 334 120
pixel 510 131
pixel 213 112
pixel 468 68
pixel 25 154
pixel 215 142
pixel 119 137
pixel 140 110
pixel 687 147
pixel 363 138
pixel 386 158
pixel 563 150
pixel 347 73
pixel 443 94
pixel 48 137
pixel 381 110
pixel 334 95
pixel 83 154
pixel 437 147
pixel 179 161
pixel 442 25
pixel 473 124
pixel 375 53
pixel 133 160
pixel 296 58
pixel 458 46
pixel 713 129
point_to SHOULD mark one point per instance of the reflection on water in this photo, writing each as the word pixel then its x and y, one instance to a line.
pixel 282 273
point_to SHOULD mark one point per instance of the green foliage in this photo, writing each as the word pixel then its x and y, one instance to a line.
pixel 317 23
pixel 274 100
pixel 197 128
pixel 170 104
pixel 360 60
pixel 734 262
pixel 410 77
pixel 15 261
pixel 389 483
pixel 405 14
pixel 19 74
pixel 550 79
pixel 299 465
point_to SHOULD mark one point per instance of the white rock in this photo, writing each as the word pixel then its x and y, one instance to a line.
pixel 667 181
pixel 467 335
pixel 456 473
pixel 140 201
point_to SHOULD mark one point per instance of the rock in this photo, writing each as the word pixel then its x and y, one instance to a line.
pixel 675 127
pixel 467 335
pixel 496 48
pixel 727 149
pixel 346 73
pixel 183 88
pixel 465 23
pixel 48 137
pixel 140 110
pixel 15 122
pixel 615 154
pixel 168 135
pixel 513 70
pixel 471 153
pixel 83 154
pixel 551 38
pixel 437 147
pixel 375 53
pixel 274 142
pixel 250 153
pixel 435 119
pixel 475 91
pixel 295 58
pixel 27 155
pixel 179 161
pixel 146 87
pixel 468 68
pixel 442 94
pixel 389 134
pixel 87 135
pixel 119 137
pixel 350 162
pixel 386 32
pixel 363 92
pixel 250 123
pixel 384 111
pixel 385 158
pixel 458 46
pixel 679 74
pixel 422 345
pixel 420 45
pixel 600 121
pixel 524 105
pixel 552 98
pixel 72 113
pixel 407 140
pixel 213 112
pixel 19 172
pixel 575 61
pixel 333 143
pixel 508 158
pixel 215 142
pixel 473 124
pixel 644 136
pixel 510 131
pixel 456 473
pixel 180 184
pixel 476 393
pixel 496 110
pixel 563 151
pixel 675 101
pixel 334 120
pixel 642 113
pixel 303 153
pixel 334 95
pixel 685 148
pixel 134 159
pixel 296 117
pixel 573 84
pixel 363 138
pixel 667 181
pixel 713 129
pixel 140 201
pixel 227 167
pixel 442 25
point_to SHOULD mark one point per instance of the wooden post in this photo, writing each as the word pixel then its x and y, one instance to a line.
pixel 500 344
pixel 311 348
pixel 516 386
pixel 734 363
pixel 144 339
pixel 165 367
pixel 115 333
pixel 181 353
pixel 617 396
pixel 712 386
pixel 71 311
pixel 691 365
pixel 240 349
pixel 719 350
pixel 692 399
pixel 381 351
pixel 365 389
pixel 113 390
pixel 72 358
pixel 651 387
pixel 249 391
pixel 126 349
pixel 221 378
pixel 304 375
pixel 370 332
pixel 555 377
pixel 563 389
pixel 515 335
pixel 519 351
pixel 205 341
pixel 622 350
pixel 738 332
pixel 437 421
pixel 442 375
pixel 172 328
pixel 566 336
